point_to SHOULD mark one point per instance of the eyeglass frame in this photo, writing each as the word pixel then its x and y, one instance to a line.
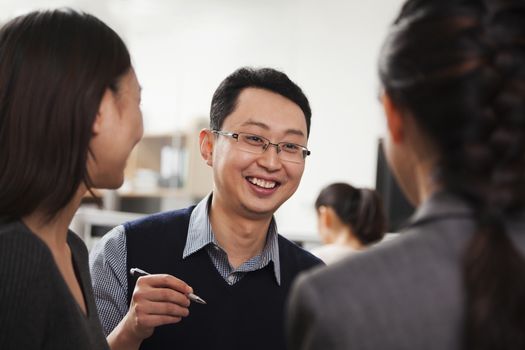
pixel 235 135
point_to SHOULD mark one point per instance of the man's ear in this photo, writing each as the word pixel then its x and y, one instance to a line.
pixel 206 142
pixel 394 119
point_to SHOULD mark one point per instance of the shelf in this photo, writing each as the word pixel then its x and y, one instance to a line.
pixel 163 172
pixel 159 192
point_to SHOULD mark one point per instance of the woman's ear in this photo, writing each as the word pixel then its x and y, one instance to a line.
pixel 324 216
pixel 394 119
pixel 105 109
pixel 206 142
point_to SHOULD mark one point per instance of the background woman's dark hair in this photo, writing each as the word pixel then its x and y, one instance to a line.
pixel 458 67
pixel 225 97
pixel 361 209
pixel 54 69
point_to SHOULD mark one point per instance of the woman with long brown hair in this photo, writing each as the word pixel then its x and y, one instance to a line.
pixel 69 117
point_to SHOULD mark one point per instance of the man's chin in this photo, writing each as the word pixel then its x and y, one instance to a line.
pixel 260 212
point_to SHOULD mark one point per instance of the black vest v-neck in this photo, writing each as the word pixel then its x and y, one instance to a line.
pixel 246 315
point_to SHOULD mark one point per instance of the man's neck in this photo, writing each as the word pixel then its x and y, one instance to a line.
pixel 242 238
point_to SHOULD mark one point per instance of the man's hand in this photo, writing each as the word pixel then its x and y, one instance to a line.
pixel 157 300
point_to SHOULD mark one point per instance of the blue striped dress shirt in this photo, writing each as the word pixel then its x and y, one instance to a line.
pixel 109 272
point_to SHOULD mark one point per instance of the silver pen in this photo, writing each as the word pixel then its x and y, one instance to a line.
pixel 136 272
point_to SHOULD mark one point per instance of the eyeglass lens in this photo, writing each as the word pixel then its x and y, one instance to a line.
pixel 257 144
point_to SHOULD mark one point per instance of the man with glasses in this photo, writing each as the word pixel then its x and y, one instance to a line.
pixel 227 248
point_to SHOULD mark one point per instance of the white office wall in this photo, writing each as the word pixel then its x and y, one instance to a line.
pixel 182 49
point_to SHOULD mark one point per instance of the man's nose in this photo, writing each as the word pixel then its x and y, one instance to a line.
pixel 271 160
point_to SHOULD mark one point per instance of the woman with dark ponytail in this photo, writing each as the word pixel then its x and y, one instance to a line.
pixel 349 219
pixel 453 74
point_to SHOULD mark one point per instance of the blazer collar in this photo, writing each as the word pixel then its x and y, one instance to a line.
pixel 440 205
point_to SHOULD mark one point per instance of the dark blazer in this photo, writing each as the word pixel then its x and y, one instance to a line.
pixel 403 294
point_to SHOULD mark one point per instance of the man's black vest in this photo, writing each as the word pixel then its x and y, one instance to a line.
pixel 246 315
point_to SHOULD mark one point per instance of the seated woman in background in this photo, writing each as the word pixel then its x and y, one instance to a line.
pixel 348 219
pixel 69 118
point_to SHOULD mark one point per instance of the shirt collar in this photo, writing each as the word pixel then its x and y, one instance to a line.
pixel 200 234
pixel 199 229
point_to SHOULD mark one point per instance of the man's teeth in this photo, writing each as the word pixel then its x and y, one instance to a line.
pixel 262 183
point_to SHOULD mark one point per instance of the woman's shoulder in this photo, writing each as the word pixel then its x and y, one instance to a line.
pixel 331 253
pixel 16 238
pixel 24 259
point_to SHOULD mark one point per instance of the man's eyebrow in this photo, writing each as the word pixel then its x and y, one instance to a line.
pixel 259 124
pixel 294 132
pixel 266 127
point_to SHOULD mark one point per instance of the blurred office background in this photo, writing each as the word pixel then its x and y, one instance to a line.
pixel 182 49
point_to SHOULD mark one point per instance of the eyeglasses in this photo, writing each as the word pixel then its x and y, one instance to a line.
pixel 287 151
